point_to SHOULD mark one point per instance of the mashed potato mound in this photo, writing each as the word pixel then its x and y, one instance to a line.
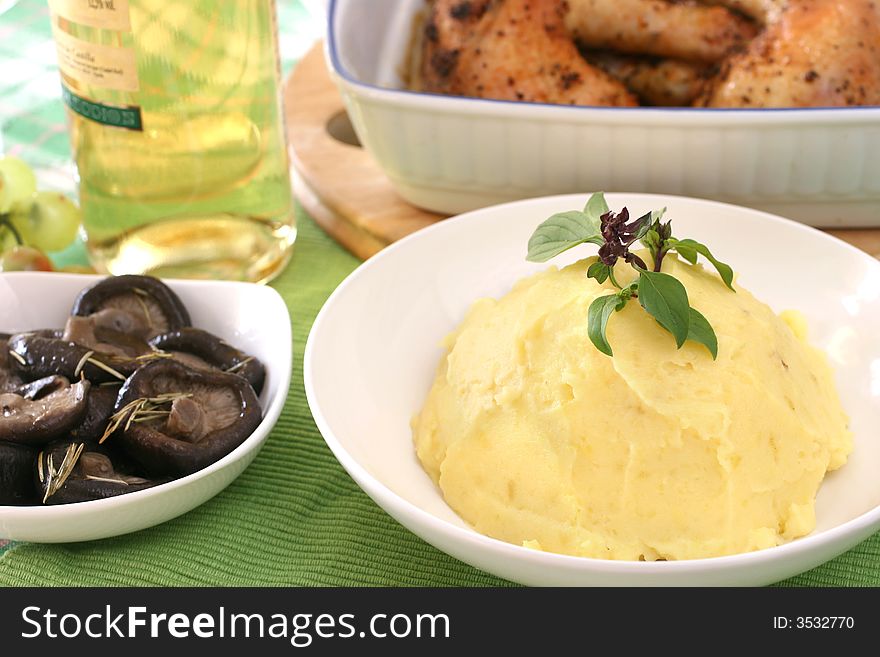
pixel 538 439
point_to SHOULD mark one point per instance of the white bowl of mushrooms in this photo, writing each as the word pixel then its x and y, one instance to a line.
pixel 128 401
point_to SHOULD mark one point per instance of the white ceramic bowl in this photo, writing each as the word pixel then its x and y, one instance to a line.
pixel 374 348
pixel 251 317
pixel 819 166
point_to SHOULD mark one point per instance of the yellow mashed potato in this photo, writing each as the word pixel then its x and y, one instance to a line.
pixel 537 438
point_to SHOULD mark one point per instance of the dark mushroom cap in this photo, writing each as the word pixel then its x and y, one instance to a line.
pixel 152 306
pixel 38 357
pixel 93 474
pixel 105 332
pixel 42 387
pixel 16 474
pixel 9 377
pixel 219 412
pixel 214 352
pixel 38 421
pixel 100 405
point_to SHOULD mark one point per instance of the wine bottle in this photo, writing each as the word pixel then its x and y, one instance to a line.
pixel 178 135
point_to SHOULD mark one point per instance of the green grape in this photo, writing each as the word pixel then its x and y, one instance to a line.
pixel 7 239
pixel 17 185
pixel 51 222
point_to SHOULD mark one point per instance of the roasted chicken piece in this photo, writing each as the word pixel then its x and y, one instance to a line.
pixel 659 27
pixel 815 53
pixel 511 50
pixel 763 11
pixel 663 82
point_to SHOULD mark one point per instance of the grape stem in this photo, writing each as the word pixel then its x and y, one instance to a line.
pixel 5 223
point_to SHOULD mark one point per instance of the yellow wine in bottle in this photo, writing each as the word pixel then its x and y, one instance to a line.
pixel 178 135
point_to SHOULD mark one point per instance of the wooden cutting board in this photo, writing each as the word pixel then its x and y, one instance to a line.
pixel 345 191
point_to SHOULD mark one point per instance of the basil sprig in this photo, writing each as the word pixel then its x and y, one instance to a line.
pixel 661 295
pixel 565 230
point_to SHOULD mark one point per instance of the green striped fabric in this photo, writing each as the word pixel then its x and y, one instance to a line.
pixel 294 517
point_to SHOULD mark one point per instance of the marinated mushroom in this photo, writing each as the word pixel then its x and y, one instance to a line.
pixel 9 378
pixel 143 306
pixel 37 421
pixel 16 474
pixel 200 349
pixel 100 405
pixel 174 420
pixel 34 357
pixel 11 374
pixel 71 471
pixel 105 332
pixel 42 387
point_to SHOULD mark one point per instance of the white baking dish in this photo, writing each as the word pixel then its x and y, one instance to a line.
pixel 819 166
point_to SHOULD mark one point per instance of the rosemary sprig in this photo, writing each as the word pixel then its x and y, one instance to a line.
pixel 17 356
pixel 107 479
pixel 239 365
pixel 156 354
pixel 55 478
pixel 142 409
pixel 140 295
pixel 106 368
pixel 82 363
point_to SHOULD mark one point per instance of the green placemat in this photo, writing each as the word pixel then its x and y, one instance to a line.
pixel 294 517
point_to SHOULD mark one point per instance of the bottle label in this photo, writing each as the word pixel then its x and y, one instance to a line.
pixel 106 14
pixel 107 67
pixel 118 117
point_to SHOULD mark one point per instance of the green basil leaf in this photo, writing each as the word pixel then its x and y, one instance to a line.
pixel 657 215
pixel 651 239
pixel 597 320
pixel 692 247
pixel 687 253
pixel 599 270
pixel 699 330
pixel 644 225
pixel 596 206
pixel 561 232
pixel 665 298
